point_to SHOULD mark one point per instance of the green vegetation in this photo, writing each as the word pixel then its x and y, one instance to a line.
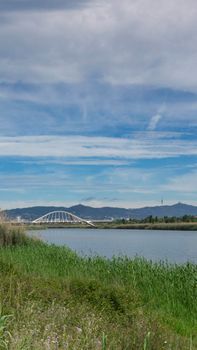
pixel 11 236
pixel 166 219
pixel 51 298
pixel 186 222
pixel 150 226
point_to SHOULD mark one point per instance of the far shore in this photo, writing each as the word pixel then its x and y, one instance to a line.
pixel 183 226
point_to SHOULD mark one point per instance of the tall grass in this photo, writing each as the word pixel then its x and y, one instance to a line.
pixel 11 236
pixel 59 300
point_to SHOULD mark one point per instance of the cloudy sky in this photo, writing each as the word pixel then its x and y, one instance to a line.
pixel 98 102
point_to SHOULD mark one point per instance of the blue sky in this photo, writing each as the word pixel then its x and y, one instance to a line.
pixel 98 102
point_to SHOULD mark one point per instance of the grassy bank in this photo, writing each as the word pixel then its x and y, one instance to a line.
pixel 50 298
pixel 183 226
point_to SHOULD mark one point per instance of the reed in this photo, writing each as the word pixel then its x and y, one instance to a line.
pixel 11 236
pixel 59 300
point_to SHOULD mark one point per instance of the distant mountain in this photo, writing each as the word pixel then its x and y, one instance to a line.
pixel 31 213
pixel 177 210
pixel 91 213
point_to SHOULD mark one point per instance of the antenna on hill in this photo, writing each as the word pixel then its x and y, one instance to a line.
pixel 161 201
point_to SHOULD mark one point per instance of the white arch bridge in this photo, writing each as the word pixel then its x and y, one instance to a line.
pixel 61 216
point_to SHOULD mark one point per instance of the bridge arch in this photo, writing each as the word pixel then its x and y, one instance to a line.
pixel 60 216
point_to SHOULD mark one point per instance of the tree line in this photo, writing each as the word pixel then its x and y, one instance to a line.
pixel 155 219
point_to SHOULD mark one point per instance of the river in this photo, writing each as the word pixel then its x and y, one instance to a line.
pixel 174 246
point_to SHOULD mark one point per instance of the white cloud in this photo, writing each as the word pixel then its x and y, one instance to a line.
pixel 137 147
pixel 186 183
pixel 75 161
pixel 127 42
pixel 154 121
pixel 119 186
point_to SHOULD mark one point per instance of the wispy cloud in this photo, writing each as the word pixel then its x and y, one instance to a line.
pixel 186 183
pixel 154 121
pixel 103 147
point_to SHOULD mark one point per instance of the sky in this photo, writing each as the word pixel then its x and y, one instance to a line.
pixel 98 102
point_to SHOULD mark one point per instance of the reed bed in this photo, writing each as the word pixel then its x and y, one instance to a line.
pixel 12 236
pixel 51 298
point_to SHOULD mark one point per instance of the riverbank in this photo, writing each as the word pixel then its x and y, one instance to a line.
pixel 52 298
pixel 183 226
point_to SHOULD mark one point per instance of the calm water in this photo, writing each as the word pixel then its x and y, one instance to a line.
pixel 175 246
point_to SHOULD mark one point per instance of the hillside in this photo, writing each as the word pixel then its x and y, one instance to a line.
pixel 91 213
